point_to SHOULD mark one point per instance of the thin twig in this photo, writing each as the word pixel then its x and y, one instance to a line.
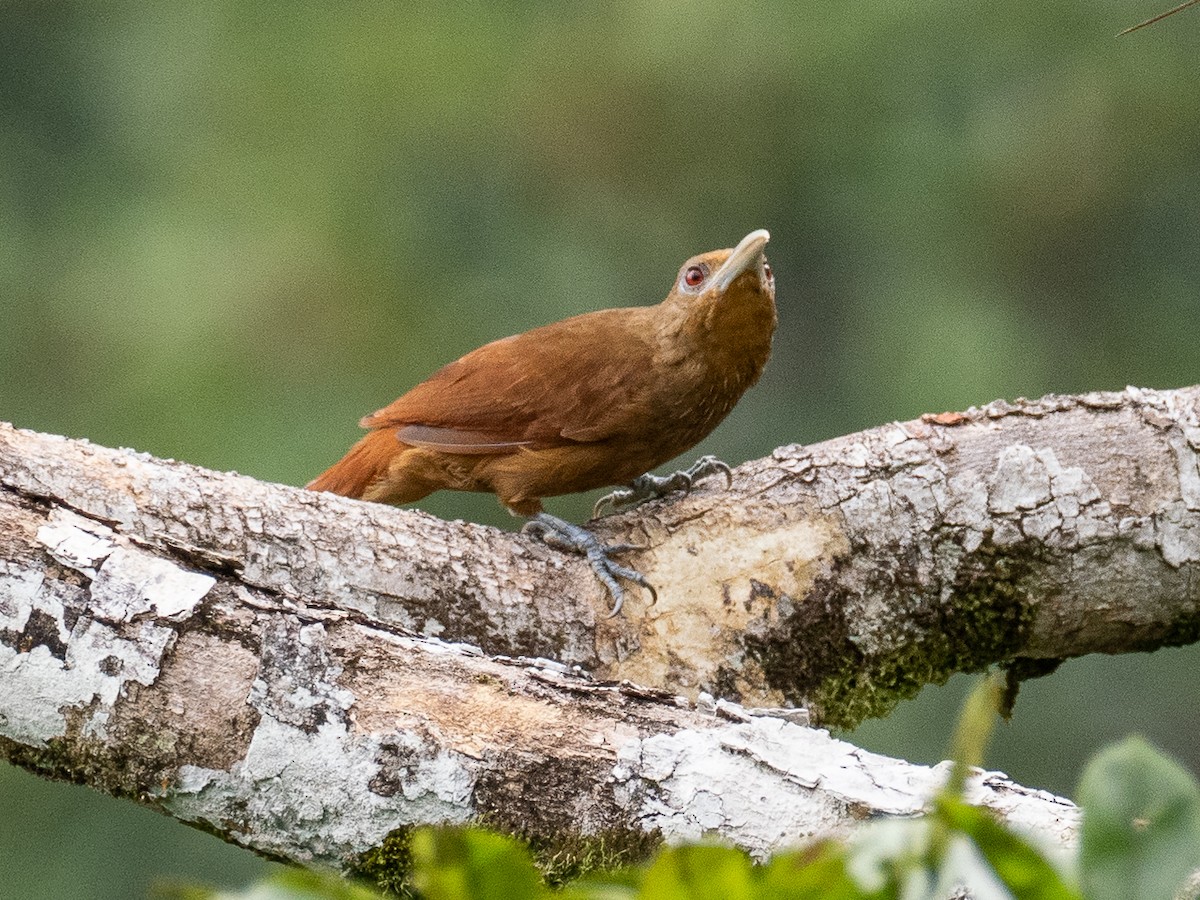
pixel 1159 17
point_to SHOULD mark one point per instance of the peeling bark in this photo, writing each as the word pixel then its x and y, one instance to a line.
pixel 278 665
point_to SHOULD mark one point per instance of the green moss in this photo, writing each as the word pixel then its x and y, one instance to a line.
pixel 569 857
pixel 1182 631
pixel 845 699
pixel 982 623
pixel 1018 671
pixel 388 865
pixel 78 761
pixel 560 859
pixel 563 854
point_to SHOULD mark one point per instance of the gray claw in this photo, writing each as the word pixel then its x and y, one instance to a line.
pixel 710 465
pixel 562 535
pixel 651 487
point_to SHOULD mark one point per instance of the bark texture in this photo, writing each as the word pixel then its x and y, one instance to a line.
pixel 844 575
pixel 312 735
pixel 304 673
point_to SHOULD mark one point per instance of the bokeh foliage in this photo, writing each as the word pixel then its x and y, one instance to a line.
pixel 229 229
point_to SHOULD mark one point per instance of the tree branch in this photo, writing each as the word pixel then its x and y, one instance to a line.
pixel 311 734
pixel 845 575
pixel 272 663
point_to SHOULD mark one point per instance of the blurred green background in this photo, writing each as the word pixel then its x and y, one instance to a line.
pixel 228 230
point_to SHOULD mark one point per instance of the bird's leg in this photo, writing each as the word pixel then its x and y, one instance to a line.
pixel 562 535
pixel 651 487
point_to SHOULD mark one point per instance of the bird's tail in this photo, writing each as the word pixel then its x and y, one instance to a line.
pixel 365 464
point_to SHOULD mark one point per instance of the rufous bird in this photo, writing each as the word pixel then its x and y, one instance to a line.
pixel 594 400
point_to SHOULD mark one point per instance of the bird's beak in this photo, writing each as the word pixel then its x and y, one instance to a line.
pixel 748 253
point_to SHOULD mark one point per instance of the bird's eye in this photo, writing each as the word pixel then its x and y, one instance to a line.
pixel 694 276
pixel 767 271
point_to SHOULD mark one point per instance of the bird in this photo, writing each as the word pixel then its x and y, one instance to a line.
pixel 595 400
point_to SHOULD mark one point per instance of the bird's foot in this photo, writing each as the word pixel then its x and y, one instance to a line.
pixel 651 487
pixel 562 535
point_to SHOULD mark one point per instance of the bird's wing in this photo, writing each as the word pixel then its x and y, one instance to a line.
pixel 568 382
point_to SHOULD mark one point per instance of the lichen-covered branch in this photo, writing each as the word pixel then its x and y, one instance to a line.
pixel 844 576
pixel 313 734
pixel 307 674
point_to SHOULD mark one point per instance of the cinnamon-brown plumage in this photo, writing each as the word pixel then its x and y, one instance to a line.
pixel 590 401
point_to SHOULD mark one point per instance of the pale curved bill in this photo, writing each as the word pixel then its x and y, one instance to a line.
pixel 747 253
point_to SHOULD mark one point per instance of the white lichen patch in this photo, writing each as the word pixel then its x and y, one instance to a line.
pixel 1184 446
pixel 728 780
pixel 41 685
pixel 126 582
pixel 1031 495
pixel 314 783
pixel 297 681
pixel 77 542
pixel 968 509
pixel 309 796
pixel 875 509
pixel 110 662
pixel 1188 460
pixel 131 583
pixel 695 782
pixel 50 669
pixel 18 588
pixel 1177 522
pixel 1178 534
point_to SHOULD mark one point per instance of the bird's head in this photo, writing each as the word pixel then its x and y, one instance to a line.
pixel 727 296
pixel 744 268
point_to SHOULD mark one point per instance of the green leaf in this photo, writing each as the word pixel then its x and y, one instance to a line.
pixel 1018 865
pixel 815 873
pixel 699 873
pixel 469 864
pixel 1141 824
pixel 974 729
pixel 613 884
